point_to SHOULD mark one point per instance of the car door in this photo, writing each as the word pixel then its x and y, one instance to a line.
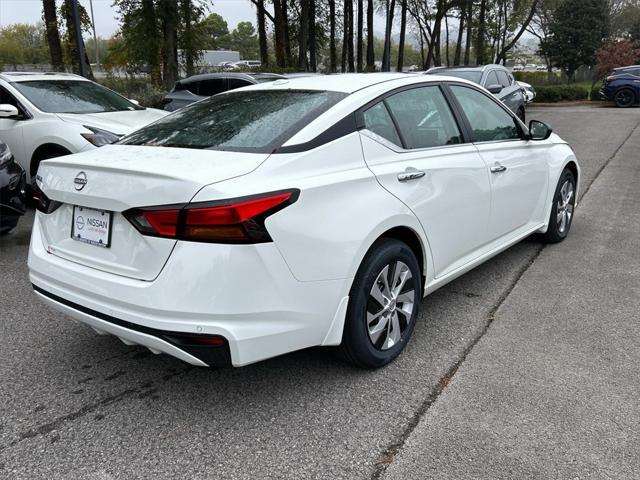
pixel 517 168
pixel 511 93
pixel 11 129
pixel 415 147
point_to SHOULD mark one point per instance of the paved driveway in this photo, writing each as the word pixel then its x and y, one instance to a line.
pixel 77 405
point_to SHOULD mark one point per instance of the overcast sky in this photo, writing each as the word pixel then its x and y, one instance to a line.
pixel 30 11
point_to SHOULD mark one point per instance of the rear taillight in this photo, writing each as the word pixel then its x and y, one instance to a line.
pixel 43 203
pixel 239 220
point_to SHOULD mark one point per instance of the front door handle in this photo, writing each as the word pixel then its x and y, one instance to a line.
pixel 410 175
pixel 497 168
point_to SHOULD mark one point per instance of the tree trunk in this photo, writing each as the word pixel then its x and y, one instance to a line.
pixel 188 51
pixel 350 50
pixel 458 53
pixel 287 31
pixel 169 14
pixel 371 58
pixel 386 56
pixel 403 33
pixel 359 66
pixel 53 35
pixel 467 48
pixel 262 34
pixel 446 39
pixel 303 36
pixel 279 31
pixel 313 61
pixel 333 56
pixel 480 60
pixel 75 48
pixel 505 48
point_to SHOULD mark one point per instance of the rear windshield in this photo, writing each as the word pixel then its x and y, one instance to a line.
pixel 471 75
pixel 252 121
pixel 73 96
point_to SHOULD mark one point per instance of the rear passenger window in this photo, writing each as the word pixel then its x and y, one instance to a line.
pixel 212 86
pixel 378 121
pixel 424 118
pixel 237 83
pixel 488 120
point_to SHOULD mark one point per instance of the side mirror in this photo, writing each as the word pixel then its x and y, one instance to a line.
pixel 495 88
pixel 135 102
pixel 539 130
pixel 8 111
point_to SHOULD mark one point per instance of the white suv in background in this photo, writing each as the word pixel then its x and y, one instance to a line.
pixel 47 115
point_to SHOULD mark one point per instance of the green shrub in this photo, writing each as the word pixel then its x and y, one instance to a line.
pixel 538 78
pixel 140 89
pixel 561 93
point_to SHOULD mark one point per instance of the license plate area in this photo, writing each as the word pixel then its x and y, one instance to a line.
pixel 91 226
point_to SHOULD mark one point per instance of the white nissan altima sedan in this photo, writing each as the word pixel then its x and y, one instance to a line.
pixel 310 211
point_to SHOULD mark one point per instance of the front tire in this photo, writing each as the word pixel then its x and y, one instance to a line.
pixel 564 201
pixel 383 305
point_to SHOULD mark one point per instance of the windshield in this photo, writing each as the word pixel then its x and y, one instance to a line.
pixel 72 96
pixel 250 121
pixel 470 75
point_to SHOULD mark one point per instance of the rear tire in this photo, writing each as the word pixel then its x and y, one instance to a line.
pixel 564 201
pixel 383 305
pixel 625 98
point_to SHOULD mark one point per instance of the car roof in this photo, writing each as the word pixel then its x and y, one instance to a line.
pixel 467 68
pixel 244 76
pixel 27 76
pixel 342 82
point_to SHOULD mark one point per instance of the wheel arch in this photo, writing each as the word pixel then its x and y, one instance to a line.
pixel 43 152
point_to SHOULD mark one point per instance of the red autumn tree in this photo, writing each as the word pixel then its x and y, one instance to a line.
pixel 617 53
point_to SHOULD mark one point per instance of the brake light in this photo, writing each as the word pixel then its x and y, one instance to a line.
pixel 43 203
pixel 239 220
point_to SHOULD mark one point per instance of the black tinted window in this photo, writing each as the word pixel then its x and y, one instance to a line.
pixel 213 86
pixel 378 120
pixel 237 83
pixel 488 120
pixel 253 121
pixel 424 118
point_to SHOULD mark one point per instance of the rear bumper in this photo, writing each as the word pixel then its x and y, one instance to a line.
pixel 245 294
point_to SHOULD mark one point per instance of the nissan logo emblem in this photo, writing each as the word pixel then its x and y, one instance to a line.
pixel 80 181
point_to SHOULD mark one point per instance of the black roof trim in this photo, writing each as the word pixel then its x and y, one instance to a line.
pixel 338 130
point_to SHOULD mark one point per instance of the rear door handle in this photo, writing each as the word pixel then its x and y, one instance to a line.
pixel 497 168
pixel 410 175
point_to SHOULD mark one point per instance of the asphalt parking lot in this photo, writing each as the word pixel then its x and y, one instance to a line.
pixel 76 405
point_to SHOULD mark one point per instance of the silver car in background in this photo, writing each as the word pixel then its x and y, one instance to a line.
pixel 495 78
pixel 199 87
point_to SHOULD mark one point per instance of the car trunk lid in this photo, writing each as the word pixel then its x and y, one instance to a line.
pixel 117 178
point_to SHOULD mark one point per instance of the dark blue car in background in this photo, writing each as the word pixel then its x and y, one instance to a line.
pixel 623 86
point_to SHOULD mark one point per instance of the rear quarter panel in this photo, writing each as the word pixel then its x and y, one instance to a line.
pixel 341 211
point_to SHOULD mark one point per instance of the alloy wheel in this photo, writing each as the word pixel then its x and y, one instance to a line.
pixel 624 98
pixel 564 208
pixel 390 305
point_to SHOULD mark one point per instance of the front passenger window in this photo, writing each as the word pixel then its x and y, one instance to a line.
pixel 488 120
